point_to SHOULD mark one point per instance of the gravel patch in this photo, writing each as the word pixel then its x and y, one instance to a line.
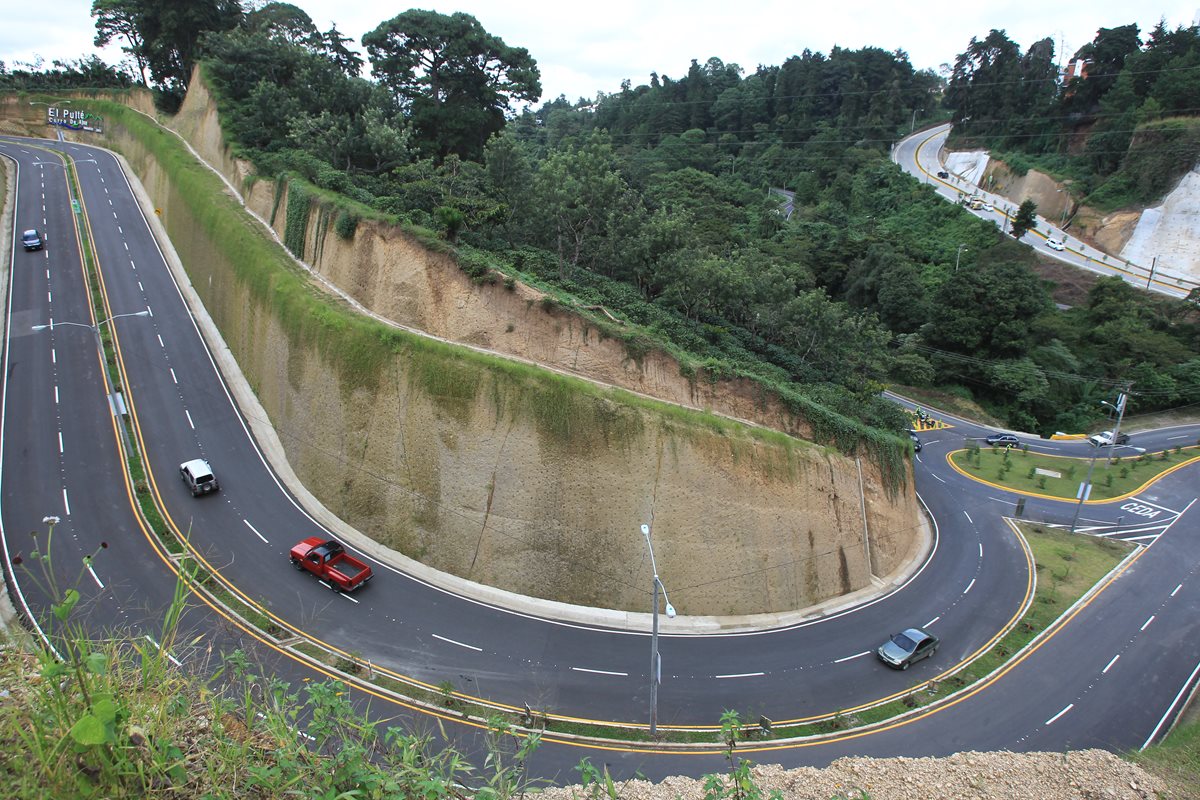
pixel 1080 775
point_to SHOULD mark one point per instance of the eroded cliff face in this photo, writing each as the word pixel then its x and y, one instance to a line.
pixel 494 474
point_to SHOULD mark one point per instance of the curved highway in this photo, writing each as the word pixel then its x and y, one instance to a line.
pixel 920 156
pixel 61 457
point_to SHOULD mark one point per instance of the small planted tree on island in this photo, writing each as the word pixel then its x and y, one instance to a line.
pixel 1025 219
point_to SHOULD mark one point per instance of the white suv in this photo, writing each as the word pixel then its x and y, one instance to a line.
pixel 198 477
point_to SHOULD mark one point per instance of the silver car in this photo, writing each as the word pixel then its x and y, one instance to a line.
pixel 906 648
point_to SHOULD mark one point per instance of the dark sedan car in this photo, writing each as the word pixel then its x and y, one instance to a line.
pixel 31 239
pixel 906 648
pixel 1002 440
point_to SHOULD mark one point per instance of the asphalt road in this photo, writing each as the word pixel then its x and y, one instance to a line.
pixel 974 583
pixel 919 156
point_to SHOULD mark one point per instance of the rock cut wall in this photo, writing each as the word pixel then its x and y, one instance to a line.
pixel 501 474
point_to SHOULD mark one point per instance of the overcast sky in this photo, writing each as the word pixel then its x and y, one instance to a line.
pixel 585 48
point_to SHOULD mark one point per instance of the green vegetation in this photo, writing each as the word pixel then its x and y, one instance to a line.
pixel 1122 130
pixel 115 717
pixel 653 203
pixel 1113 476
pixel 1177 759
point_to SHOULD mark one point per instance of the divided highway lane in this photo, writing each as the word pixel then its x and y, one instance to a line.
pixel 428 632
pixel 58 440
pixel 183 410
pixel 59 456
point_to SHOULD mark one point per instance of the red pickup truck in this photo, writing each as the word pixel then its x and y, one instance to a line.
pixel 326 559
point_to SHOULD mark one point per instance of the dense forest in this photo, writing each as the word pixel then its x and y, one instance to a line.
pixel 749 221
pixel 1123 127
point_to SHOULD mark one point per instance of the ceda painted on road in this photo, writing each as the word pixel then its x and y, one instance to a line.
pixel 1141 510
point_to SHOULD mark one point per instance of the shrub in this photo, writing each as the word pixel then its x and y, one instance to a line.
pixel 345 225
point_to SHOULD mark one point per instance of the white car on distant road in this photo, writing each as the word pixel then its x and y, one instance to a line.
pixel 1053 245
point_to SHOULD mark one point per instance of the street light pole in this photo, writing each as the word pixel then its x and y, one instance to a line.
pixel 1116 431
pixel 1085 488
pixel 108 389
pixel 655 661
pixel 958 255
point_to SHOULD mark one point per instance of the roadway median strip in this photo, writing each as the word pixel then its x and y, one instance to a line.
pixel 1053 477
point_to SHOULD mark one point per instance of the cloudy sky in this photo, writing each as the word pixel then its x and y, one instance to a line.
pixel 585 48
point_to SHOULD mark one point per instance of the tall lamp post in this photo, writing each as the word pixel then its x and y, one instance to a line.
pixel 655 661
pixel 1085 488
pixel 958 255
pixel 108 389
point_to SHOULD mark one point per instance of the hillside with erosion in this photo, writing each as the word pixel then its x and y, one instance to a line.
pixel 1110 151
pixel 504 475
pixel 485 341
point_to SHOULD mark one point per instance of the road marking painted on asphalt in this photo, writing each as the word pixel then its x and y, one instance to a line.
pixel 256 533
pixel 49 297
pixel 1139 538
pixel 1168 713
pixel 189 416
pixel 132 265
pixel 160 341
pixel 1059 714
pixel 856 655
pixel 53 357
pixel 981 549
pixel 60 443
pixel 935 619
pixel 969 585
pixel 601 672
pixel 56 394
pixel 1114 660
pixel 348 597
pixel 1177 588
pixel 1146 624
pixel 47 274
pixel 1148 503
pixel 968 516
pixel 173 375
pixel 172 658
pixel 150 311
pixel 66 503
pixel 95 577
pixel 141 288
pixel 1120 531
pixel 460 644
pixel 1184 436
pixel 120 230
pixel 939 477
pixel 742 675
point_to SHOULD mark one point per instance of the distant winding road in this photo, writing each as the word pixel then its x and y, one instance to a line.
pixel 920 156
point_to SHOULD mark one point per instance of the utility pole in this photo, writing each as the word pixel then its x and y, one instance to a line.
pixel 1153 264
pixel 1085 488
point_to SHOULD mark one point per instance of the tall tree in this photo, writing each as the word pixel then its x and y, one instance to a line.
pixel 982 79
pixel 454 78
pixel 117 19
pixel 1025 219
pixel 164 35
pixel 334 45
pixel 284 22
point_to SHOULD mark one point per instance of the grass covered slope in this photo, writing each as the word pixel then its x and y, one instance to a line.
pixel 511 475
